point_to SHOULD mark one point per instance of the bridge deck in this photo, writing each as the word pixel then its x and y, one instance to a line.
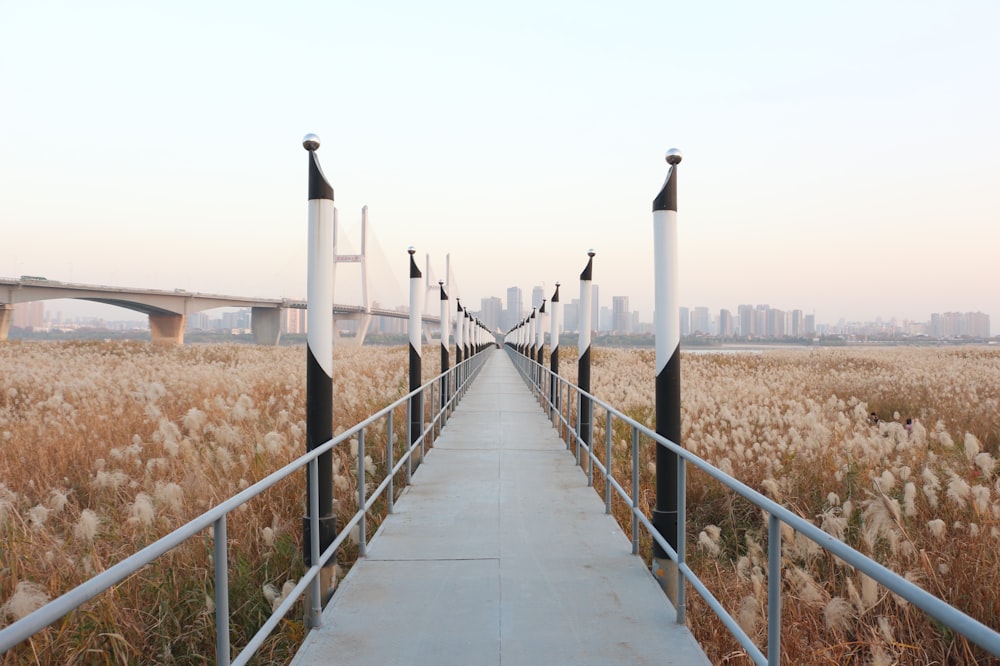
pixel 499 553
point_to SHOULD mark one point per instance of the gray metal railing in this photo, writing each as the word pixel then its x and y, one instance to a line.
pixel 456 381
pixel 561 399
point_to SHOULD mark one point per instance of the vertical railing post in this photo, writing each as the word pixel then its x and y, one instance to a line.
pixel 362 524
pixel 681 602
pixel 668 373
pixel 222 651
pixel 445 355
pixel 415 333
pixel 607 461
pixel 590 448
pixel 434 421
pixel 773 590
pixel 319 357
pixel 635 490
pixel 554 352
pixel 314 615
pixel 583 364
pixel 390 461
pixel 409 441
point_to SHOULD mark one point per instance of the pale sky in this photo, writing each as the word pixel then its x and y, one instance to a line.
pixel 839 158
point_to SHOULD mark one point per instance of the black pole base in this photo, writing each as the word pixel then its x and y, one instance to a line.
pixel 327 533
pixel 665 523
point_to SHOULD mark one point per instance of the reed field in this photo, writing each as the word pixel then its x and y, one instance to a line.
pixel 105 447
pixel 795 425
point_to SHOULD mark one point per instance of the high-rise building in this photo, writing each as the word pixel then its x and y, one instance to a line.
pixel 725 323
pixel 293 320
pixel 492 312
pixel 239 320
pixel 700 321
pixel 798 328
pixel 775 323
pixel 685 316
pixel 810 325
pixel 570 316
pixel 760 321
pixel 537 296
pixel 621 320
pixel 746 321
pixel 958 324
pixel 979 324
pixel 515 309
pixel 196 321
pixel 29 315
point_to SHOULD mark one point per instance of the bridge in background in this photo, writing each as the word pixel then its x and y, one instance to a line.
pixel 168 310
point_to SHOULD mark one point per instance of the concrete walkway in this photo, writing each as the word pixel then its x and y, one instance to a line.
pixel 499 553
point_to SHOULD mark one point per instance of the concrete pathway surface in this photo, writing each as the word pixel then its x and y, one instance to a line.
pixel 499 553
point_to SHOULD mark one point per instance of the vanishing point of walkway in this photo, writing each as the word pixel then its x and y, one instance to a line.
pixel 499 553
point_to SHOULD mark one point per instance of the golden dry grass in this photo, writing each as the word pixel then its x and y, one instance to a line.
pixel 105 447
pixel 795 425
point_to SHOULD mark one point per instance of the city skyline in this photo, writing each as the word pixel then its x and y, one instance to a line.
pixel 837 158
pixel 603 314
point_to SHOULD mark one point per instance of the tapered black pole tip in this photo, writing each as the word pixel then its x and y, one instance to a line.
pixel 310 142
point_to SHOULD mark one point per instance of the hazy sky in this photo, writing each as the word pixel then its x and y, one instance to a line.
pixel 841 158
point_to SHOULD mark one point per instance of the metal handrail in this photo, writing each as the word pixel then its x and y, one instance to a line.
pixel 457 379
pixel 541 380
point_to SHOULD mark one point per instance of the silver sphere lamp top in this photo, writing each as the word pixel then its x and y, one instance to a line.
pixel 674 156
pixel 411 250
pixel 310 142
pixel 591 252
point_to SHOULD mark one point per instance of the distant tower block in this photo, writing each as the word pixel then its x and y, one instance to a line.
pixel 362 319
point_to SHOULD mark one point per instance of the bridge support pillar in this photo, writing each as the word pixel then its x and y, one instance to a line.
pixel 167 328
pixel 265 323
pixel 6 314
pixel 363 325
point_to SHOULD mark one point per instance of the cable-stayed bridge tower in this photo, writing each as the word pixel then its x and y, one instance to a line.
pixel 363 316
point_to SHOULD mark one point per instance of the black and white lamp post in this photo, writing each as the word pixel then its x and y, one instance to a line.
pixel 540 336
pixel 470 344
pixel 445 332
pixel 319 359
pixel 583 363
pixel 532 326
pixel 526 335
pixel 459 330
pixel 668 371
pixel 416 308
pixel 554 346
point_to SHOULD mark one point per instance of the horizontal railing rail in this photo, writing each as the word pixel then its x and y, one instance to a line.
pixel 561 398
pixel 445 391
